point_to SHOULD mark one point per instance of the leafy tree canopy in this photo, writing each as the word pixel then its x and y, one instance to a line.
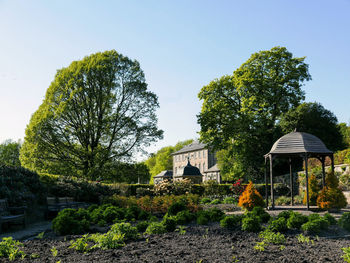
pixel 240 111
pixel 96 111
pixel 313 118
pixel 129 173
pixel 163 160
pixel 9 153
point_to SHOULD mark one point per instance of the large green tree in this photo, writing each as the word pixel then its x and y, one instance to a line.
pixel 163 159
pixel 313 118
pixel 96 111
pixel 240 111
pixel 9 153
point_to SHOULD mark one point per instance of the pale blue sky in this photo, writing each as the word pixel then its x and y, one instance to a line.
pixel 181 46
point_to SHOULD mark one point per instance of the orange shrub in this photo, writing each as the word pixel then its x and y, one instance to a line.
pixel 250 198
pixel 331 197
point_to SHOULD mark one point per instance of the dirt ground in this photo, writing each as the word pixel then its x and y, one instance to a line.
pixel 198 245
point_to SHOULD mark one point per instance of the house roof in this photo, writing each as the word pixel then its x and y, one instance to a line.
pixel 165 173
pixel 212 169
pixel 194 146
pixel 298 142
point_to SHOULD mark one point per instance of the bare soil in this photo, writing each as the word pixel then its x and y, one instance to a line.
pixel 199 244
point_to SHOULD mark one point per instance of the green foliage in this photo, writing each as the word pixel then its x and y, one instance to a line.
pixel 231 221
pixel 272 237
pixel 169 223
pixel 261 213
pixel 54 251
pixel 81 244
pixel 203 219
pixel 176 208
pixel 10 248
pixel 95 112
pixel 163 160
pixel 109 240
pixel 283 200
pixel 21 186
pixel 126 229
pixel 184 217
pixel 205 200
pixel 313 190
pixel 251 223
pixel 344 221
pixel 142 226
pixel 133 212
pixel 155 228
pixel 230 200
pixel 285 214
pixel 249 104
pixel 215 214
pixel 346 255
pixel 331 219
pixel 260 246
pixel 278 225
pixel 215 202
pixel 112 213
pixel 71 221
pixel 314 226
pixel 9 153
pixel 313 118
pixel 296 220
pixel 304 239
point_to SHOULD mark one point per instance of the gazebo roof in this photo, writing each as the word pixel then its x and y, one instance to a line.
pixel 298 143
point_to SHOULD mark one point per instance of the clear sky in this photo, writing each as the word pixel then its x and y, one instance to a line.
pixel 181 45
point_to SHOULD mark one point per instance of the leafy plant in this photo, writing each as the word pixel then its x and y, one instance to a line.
pixel 202 219
pixel 313 190
pixel 176 207
pixel 205 200
pixel 40 235
pixel 229 200
pixel 344 221
pixel 251 223
pixel 142 226
pixel 331 219
pixel 181 230
pixel 296 220
pixel 215 202
pixel 215 214
pixel 261 213
pixel 169 223
pixel 346 256
pixel 184 217
pixel 54 251
pixel 278 224
pixel 304 239
pixel 315 226
pixel 260 246
pixel 128 231
pixel 155 228
pixel 272 237
pixel 108 240
pixel 10 248
pixel 231 221
pixel 71 221
pixel 81 244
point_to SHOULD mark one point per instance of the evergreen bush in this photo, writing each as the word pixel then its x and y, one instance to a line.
pixel 250 198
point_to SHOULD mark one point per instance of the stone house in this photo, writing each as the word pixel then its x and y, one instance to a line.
pixel 199 156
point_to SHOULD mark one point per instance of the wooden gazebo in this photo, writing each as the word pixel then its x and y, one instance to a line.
pixel 296 145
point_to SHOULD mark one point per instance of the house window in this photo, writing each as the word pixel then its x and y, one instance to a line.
pixel 175 170
pixel 199 154
pixel 195 154
pixel 203 167
pixel 204 154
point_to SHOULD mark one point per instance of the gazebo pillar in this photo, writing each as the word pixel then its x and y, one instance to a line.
pixel 323 159
pixel 307 182
pixel 291 182
pixel 266 185
pixel 332 159
pixel 271 182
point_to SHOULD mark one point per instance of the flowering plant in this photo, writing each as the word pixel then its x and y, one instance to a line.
pixel 237 188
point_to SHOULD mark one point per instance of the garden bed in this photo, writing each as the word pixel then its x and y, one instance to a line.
pixel 199 244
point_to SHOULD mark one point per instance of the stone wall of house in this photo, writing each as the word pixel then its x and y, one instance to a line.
pixel 202 159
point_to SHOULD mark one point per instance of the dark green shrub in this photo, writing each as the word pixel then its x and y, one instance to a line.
pixel 285 214
pixel 102 223
pixel 176 207
pixel 92 208
pixel 251 223
pixel 144 215
pixel 112 213
pixel 142 226
pixel 312 227
pixel 230 200
pixel 155 228
pixel 132 212
pixel 231 221
pixel 331 219
pixel 170 223
pixel 205 200
pixel 278 224
pixel 313 217
pixel 215 214
pixel 215 202
pixel 344 221
pixel 202 220
pixel 184 217
pixel 296 220
pixel 68 221
pixel 260 212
